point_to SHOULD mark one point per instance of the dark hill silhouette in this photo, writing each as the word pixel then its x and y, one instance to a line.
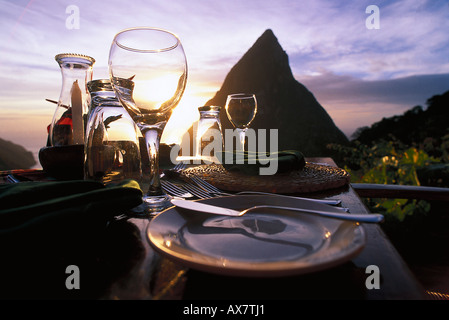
pixel 14 156
pixel 283 103
pixel 412 127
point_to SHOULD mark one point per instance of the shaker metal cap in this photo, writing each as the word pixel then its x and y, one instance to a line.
pixel 84 58
pixel 209 108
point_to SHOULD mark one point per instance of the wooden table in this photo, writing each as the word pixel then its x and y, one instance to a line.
pixel 121 264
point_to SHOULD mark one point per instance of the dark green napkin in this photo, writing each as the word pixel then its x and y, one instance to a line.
pixel 31 206
pixel 287 160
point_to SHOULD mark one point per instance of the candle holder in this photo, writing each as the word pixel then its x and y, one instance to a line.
pixel 68 124
pixel 63 156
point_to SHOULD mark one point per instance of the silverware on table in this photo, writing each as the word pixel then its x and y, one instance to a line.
pixel 207 208
pixel 212 189
pixel 197 191
pixel 203 189
pixel 173 190
pixel 202 194
pixel 12 179
pixel 175 171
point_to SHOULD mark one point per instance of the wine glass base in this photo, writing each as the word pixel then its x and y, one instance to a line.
pixel 152 205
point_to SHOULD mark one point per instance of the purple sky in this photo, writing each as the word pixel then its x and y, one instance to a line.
pixel 359 75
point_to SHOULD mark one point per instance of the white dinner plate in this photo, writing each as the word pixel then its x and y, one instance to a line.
pixel 267 242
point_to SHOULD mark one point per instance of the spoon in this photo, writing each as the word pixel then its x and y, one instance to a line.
pixel 197 206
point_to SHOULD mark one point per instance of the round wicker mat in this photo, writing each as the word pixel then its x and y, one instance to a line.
pixel 313 177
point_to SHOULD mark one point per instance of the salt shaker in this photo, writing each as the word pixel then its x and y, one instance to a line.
pixel 112 151
pixel 209 138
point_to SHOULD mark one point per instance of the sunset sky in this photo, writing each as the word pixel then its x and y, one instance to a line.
pixel 358 74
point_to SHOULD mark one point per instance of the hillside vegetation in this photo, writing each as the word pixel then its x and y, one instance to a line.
pixel 14 156
pixel 407 149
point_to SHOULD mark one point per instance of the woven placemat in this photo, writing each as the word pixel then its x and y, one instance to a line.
pixel 313 177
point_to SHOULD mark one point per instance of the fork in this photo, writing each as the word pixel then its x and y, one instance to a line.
pixel 197 191
pixel 174 190
pixel 214 190
pixel 203 194
pixel 173 172
pixel 180 166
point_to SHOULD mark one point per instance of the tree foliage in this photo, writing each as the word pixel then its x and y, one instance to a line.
pixel 408 149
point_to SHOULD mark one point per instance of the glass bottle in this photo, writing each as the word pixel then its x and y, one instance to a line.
pixel 209 138
pixel 112 151
pixel 68 124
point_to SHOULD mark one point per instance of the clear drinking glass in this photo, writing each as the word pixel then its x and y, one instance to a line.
pixel 111 146
pixel 241 109
pixel 148 71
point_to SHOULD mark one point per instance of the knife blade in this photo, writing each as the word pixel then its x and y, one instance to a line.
pixel 202 207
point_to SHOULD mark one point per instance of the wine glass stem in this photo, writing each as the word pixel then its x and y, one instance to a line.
pixel 242 134
pixel 152 139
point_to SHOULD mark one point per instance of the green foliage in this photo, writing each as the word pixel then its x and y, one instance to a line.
pixel 387 162
pixel 444 148
pixel 397 167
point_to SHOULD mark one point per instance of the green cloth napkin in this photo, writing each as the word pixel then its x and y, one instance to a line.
pixel 38 206
pixel 287 160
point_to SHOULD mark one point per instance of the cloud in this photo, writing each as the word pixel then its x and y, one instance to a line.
pixel 412 39
pixel 354 68
pixel 412 90
pixel 353 102
pixel 315 33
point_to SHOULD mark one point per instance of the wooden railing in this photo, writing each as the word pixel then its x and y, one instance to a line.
pixel 368 190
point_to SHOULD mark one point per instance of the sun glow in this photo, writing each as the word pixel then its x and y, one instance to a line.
pixel 151 92
pixel 185 114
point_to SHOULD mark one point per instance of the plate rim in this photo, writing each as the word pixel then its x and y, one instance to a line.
pixel 261 269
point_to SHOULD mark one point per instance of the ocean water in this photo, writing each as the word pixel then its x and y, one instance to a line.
pixel 35 152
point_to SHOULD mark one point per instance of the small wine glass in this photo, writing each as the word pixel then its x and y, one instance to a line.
pixel 241 109
pixel 148 71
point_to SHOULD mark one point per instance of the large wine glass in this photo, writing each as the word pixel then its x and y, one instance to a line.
pixel 148 71
pixel 241 109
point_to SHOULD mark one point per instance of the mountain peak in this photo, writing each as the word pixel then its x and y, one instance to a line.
pixel 268 52
pixel 283 103
pixel 267 37
pixel 268 33
pixel 262 64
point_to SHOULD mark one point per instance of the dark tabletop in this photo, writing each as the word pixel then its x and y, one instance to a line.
pixel 120 263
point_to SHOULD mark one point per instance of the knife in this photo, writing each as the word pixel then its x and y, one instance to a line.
pixel 202 207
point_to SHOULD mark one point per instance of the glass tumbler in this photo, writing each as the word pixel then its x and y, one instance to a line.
pixel 209 137
pixel 112 151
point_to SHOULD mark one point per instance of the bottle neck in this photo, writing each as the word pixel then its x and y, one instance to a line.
pixel 76 72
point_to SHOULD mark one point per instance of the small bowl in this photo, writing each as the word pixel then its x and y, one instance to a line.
pixel 63 162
